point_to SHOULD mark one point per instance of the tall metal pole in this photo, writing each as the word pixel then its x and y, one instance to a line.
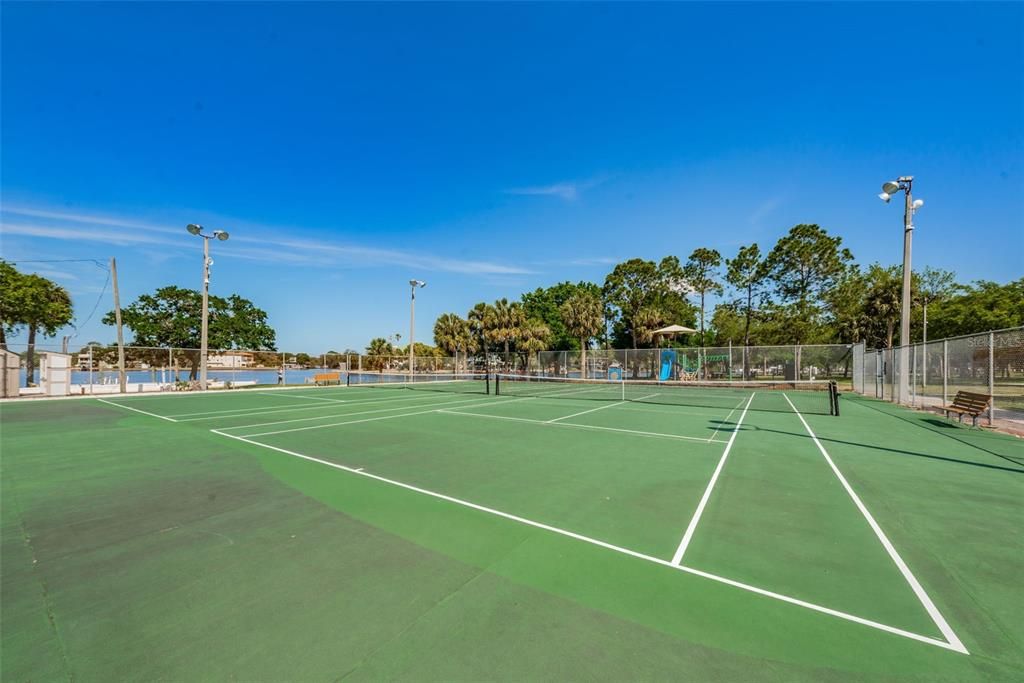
pixel 924 346
pixel 412 332
pixel 206 303
pixel 908 230
pixel 120 330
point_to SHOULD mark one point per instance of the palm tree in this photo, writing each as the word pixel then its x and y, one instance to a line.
pixel 503 323
pixel 477 318
pixel 453 334
pixel 646 321
pixel 583 315
pixel 378 352
pixel 533 337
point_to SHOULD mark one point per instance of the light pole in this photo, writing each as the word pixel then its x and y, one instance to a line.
pixel 413 284
pixel 197 230
pixel 889 188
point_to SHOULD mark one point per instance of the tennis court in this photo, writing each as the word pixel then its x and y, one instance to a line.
pixel 466 526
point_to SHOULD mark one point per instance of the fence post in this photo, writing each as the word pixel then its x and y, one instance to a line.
pixel 945 371
pixel 913 375
pixel 730 359
pixel 991 376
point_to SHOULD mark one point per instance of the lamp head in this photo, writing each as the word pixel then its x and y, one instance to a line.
pixel 220 234
pixel 885 197
pixel 918 203
pixel 194 229
pixel 417 283
pixel 890 187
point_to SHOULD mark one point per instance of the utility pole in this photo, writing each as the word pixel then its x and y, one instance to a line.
pixel 412 326
pixel 221 235
pixel 205 314
pixel 120 330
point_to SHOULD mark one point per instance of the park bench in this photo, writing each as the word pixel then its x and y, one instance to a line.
pixel 327 378
pixel 968 403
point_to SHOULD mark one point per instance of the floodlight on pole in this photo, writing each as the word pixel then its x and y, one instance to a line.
pixel 221 235
pixel 413 284
pixel 889 188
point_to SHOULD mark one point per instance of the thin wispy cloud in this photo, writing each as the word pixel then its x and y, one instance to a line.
pixel 568 190
pixel 263 244
pixel 763 210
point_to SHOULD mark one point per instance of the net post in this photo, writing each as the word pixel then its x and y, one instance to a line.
pixel 834 397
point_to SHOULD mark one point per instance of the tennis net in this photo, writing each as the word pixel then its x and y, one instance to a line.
pixel 467 383
pixel 805 396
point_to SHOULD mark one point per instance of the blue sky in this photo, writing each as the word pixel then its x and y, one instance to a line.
pixel 491 149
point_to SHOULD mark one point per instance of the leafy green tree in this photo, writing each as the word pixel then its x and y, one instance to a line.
pixel 11 301
pixel 933 285
pixel 979 307
pixel 544 304
pixel 883 302
pixel 630 286
pixel 804 266
pixel 582 315
pixel 172 316
pixel 848 317
pixel 728 323
pixel 747 273
pixel 35 303
pixel 701 275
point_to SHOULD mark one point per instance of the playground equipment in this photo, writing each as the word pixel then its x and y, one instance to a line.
pixel 668 364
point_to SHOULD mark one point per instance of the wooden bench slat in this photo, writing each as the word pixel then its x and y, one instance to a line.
pixel 968 403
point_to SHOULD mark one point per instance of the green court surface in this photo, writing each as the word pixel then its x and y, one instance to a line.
pixel 383 533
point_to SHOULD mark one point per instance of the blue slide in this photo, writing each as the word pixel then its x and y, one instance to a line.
pixel 668 362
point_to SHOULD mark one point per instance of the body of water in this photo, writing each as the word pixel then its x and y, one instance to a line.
pixel 266 376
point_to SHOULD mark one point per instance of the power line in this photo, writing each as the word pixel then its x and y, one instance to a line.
pixel 95 262
pixel 95 306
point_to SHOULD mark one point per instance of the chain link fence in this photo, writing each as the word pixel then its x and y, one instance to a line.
pixel 94 367
pixel 989 363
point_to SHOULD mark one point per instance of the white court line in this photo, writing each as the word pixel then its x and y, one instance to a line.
pixel 349 414
pixel 715 433
pixel 136 410
pixel 372 419
pixel 919 591
pixel 634 432
pixel 255 412
pixel 619 549
pixel 594 410
pixel 678 557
